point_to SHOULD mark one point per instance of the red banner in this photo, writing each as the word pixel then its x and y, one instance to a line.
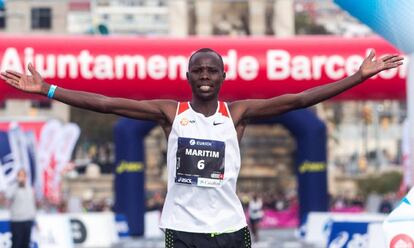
pixel 148 68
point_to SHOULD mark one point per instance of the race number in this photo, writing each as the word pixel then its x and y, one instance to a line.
pixel 200 162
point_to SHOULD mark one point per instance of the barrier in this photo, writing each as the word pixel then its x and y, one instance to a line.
pixel 93 229
pixel 47 235
pixel 322 228
pixel 399 224
pixel 376 235
pixel 152 219
pixel 84 230
pixel 5 235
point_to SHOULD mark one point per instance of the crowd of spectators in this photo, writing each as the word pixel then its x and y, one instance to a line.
pixel 373 203
pixel 271 200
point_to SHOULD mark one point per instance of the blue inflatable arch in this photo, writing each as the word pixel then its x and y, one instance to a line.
pixel 310 161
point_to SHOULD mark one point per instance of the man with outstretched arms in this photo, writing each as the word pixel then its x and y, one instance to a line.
pixel 203 158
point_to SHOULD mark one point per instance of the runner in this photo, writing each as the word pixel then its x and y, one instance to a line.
pixel 203 157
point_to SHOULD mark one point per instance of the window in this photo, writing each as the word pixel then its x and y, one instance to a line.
pixel 41 18
pixel 2 18
pixel 105 17
pixel 129 17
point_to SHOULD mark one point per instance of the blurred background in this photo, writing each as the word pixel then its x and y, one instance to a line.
pixel 364 137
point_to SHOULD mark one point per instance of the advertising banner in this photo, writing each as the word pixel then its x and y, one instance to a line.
pixel 42 148
pixel 348 234
pixel 147 68
pixel 320 226
pixel 94 229
pixel 280 219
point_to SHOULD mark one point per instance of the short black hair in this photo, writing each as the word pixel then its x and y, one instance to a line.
pixel 207 50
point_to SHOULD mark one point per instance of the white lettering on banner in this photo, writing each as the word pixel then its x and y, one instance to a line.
pixel 279 65
pixel 334 67
pixel 352 64
pixel 66 63
pixel 318 62
pixel 157 67
pixel 231 62
pixel 84 59
pixel 46 69
pixel 11 60
pixel 301 68
pixel 248 68
pixel 131 62
pixel 103 67
pixel 177 67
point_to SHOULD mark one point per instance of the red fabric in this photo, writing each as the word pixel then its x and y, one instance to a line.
pixel 182 107
pixel 223 109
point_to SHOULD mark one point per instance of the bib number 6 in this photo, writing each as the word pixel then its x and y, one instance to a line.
pixel 200 164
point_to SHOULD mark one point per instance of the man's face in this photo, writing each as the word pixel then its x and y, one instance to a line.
pixel 205 75
pixel 21 177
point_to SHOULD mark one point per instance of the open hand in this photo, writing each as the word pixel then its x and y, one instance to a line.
pixel 370 67
pixel 28 83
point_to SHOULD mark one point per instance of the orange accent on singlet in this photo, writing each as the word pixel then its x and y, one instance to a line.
pixel 223 109
pixel 182 107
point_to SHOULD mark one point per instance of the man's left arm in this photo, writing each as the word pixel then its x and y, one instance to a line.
pixel 260 108
pixel 8 195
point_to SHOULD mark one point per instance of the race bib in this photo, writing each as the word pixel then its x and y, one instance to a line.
pixel 200 162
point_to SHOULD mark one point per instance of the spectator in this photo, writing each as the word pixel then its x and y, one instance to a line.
pixel 255 214
pixel 386 205
pixel 22 205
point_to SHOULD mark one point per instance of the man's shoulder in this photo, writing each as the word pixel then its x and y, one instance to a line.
pixel 238 106
pixel 168 108
pixel 166 105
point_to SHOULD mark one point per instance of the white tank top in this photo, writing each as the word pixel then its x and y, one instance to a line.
pixel 203 161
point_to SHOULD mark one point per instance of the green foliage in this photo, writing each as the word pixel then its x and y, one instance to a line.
pixel 305 25
pixel 383 183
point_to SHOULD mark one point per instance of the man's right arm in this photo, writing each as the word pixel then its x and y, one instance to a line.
pixel 154 110
pixel 161 111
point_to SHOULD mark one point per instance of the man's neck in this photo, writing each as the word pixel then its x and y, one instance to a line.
pixel 207 108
